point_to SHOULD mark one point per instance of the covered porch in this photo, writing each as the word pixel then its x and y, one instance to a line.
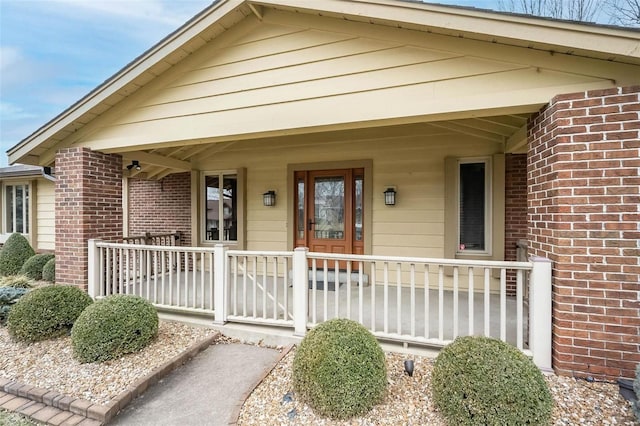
pixel 421 301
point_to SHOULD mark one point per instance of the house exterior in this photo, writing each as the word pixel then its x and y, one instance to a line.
pixel 28 205
pixel 489 128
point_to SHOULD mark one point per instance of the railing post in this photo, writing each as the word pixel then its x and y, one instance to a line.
pixel 540 312
pixel 220 284
pixel 93 270
pixel 300 291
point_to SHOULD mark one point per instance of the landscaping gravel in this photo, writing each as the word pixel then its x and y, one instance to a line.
pixel 408 401
pixel 50 363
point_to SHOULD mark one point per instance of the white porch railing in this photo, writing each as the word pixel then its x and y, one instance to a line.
pixel 411 300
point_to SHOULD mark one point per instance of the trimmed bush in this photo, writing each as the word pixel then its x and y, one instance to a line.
pixel 32 268
pixel 484 381
pixel 112 327
pixel 49 271
pixel 339 369
pixel 9 296
pixel 15 252
pixel 16 281
pixel 46 312
pixel 636 388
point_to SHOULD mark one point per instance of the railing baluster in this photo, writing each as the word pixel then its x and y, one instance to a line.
pixel 210 283
pixel 127 271
pixel 348 284
pixel 155 276
pixel 171 278
pixel 373 296
pixel 519 308
pixel 487 302
pixel 285 286
pixel 202 273
pixel 121 273
pixel 148 262
pixel 503 304
pixel 427 308
pixel 412 281
pixel 264 287
pixel 385 271
pixel 234 271
pixel 336 286
pixel 360 292
pixel 441 302
pixel 107 271
pixel 275 287
pixel 244 286
pixel 471 314
pixel 455 301
pixel 194 280
pixel 399 298
pixel 254 260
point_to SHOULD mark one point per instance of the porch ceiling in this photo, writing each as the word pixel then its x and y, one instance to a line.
pixel 509 130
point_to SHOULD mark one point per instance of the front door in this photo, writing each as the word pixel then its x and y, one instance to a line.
pixel 329 214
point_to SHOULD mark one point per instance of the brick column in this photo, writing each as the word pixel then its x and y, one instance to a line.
pixel 515 206
pixel 88 205
pixel 583 210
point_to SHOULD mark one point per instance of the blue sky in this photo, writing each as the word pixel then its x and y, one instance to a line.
pixel 53 52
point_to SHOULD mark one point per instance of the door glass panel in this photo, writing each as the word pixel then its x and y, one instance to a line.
pixel 213 208
pixel 358 208
pixel 300 208
pixel 329 207
pixel 472 206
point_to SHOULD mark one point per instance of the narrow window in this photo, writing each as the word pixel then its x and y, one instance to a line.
pixel 17 208
pixel 473 203
pixel 221 215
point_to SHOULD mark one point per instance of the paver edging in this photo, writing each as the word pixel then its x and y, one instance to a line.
pixel 104 413
pixel 236 412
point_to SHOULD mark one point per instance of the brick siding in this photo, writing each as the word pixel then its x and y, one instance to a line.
pixel 161 206
pixel 88 205
pixel 583 202
pixel 515 226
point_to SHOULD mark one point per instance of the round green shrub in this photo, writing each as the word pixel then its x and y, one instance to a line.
pixel 14 253
pixel 339 369
pixel 8 297
pixel 484 381
pixel 112 327
pixel 49 271
pixel 32 268
pixel 16 281
pixel 46 312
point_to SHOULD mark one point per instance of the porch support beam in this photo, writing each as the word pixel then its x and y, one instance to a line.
pixel 517 141
pixel 159 160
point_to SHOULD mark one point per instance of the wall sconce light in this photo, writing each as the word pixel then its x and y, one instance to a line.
pixel 135 164
pixel 390 197
pixel 269 198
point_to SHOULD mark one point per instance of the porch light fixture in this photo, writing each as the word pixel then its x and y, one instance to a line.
pixel 269 198
pixel 390 197
pixel 135 164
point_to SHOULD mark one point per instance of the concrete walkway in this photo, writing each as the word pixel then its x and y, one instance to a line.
pixel 209 390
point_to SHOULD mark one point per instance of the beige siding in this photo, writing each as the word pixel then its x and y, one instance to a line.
pixel 45 204
pixel 414 164
pixel 290 73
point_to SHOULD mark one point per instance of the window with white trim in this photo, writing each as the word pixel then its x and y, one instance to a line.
pixel 16 208
pixel 222 202
pixel 474 206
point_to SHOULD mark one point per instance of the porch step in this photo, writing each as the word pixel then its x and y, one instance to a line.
pixel 331 279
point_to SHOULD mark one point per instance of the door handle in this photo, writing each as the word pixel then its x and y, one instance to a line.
pixel 311 223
